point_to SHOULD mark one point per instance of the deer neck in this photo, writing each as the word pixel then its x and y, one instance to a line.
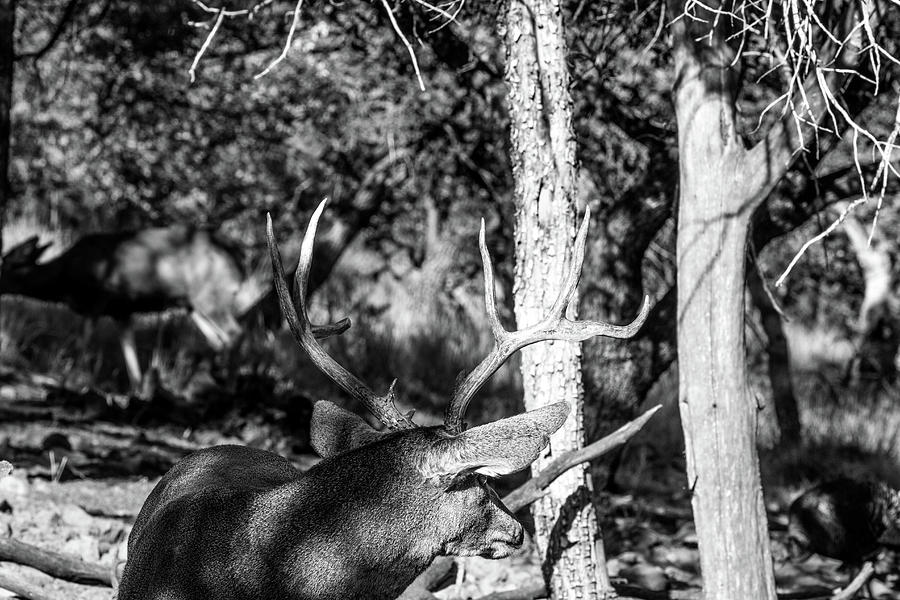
pixel 352 525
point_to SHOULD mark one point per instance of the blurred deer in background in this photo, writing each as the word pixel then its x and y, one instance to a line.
pixel 120 274
pixel 233 522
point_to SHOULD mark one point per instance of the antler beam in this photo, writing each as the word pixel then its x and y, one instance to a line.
pixel 554 326
pixel 295 312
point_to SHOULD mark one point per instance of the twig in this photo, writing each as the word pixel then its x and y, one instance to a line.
pixel 450 18
pixel 287 42
pixel 409 48
pixel 817 238
pixel 246 12
pixel 659 29
pixel 854 586
pixel 212 33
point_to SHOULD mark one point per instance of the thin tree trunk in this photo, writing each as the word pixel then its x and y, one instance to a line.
pixel 543 158
pixel 7 31
pixel 718 416
pixel 721 183
pixel 779 363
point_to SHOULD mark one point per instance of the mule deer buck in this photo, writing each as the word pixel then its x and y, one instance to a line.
pixel 120 274
pixel 233 522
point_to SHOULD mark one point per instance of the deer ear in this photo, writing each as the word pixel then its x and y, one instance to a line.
pixel 334 430
pixel 25 253
pixel 498 448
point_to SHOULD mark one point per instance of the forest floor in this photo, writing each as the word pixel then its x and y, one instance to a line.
pixel 83 469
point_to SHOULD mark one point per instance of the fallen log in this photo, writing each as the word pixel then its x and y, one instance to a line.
pixel 22 588
pixel 55 564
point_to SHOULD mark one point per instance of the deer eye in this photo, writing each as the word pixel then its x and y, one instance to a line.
pixel 459 482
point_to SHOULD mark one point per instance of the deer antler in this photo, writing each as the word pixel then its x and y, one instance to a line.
pixel 554 326
pixel 298 320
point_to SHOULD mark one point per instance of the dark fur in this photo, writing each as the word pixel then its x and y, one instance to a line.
pixel 242 523
pixel 235 523
pixel 843 519
pixel 119 274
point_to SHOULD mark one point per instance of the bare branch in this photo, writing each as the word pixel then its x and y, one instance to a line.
pixel 212 33
pixel 819 63
pixel 864 575
pixel 409 48
pixel 247 12
pixel 534 488
pixel 834 225
pixel 287 42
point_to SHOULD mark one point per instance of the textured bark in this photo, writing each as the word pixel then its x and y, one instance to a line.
pixel 543 158
pixel 7 31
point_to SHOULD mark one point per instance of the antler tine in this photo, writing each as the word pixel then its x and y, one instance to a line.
pixel 301 280
pixel 297 318
pixel 304 263
pixel 490 301
pixel 554 326
pixel 567 292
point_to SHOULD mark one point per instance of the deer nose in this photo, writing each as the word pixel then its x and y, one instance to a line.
pixel 518 535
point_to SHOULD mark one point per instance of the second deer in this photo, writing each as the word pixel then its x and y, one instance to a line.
pixel 120 274
pixel 232 522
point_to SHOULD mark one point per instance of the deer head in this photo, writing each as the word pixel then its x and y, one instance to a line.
pixel 19 263
pixel 435 483
pixel 448 466
pixel 24 255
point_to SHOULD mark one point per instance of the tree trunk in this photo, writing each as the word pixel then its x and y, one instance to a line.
pixel 718 416
pixel 619 373
pixel 779 363
pixel 543 158
pixel 7 31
